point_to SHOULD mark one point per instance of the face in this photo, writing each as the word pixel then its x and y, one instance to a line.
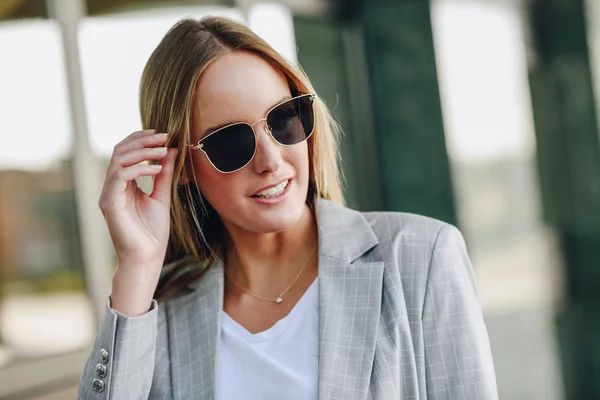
pixel 242 87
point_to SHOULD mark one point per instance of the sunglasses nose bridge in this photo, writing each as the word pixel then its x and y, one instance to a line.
pixel 267 127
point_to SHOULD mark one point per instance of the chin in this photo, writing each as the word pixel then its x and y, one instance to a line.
pixel 273 222
pixel 279 226
pixel 252 216
pixel 277 219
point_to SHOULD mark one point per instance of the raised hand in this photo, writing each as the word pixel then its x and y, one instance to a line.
pixel 138 223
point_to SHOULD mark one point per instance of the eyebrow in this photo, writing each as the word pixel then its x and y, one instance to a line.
pixel 217 127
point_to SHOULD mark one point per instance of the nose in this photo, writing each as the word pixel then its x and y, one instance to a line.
pixel 268 157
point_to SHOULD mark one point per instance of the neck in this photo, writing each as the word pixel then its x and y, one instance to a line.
pixel 261 262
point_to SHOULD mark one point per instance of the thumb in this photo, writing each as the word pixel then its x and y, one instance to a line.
pixel 162 181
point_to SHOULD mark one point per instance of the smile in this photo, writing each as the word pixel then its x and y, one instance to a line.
pixel 273 191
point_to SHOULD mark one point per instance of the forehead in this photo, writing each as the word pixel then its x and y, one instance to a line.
pixel 239 86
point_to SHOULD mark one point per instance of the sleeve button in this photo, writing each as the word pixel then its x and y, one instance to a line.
pixel 101 370
pixel 104 356
pixel 98 385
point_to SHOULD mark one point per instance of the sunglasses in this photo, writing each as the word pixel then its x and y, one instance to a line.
pixel 232 147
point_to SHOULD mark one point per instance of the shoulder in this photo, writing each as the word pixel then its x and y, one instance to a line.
pixel 410 239
pixel 405 228
pixel 415 242
pixel 389 235
pixel 419 252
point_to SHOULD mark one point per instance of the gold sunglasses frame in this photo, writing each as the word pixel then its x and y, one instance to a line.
pixel 199 145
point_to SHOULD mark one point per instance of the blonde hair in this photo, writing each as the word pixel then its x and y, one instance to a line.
pixel 167 91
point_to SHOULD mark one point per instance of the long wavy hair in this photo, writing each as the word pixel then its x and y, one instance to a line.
pixel 167 90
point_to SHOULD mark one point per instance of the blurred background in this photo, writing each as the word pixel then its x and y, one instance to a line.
pixel 482 113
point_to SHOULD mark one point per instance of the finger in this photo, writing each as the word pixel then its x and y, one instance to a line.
pixel 119 181
pixel 128 174
pixel 153 140
pixel 136 156
pixel 137 134
pixel 162 182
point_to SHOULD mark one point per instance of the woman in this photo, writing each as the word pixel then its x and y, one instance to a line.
pixel 271 289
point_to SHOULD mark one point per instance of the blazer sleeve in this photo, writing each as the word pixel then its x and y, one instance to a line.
pixel 121 364
pixel 458 359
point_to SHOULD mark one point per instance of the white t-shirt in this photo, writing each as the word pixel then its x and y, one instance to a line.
pixel 279 363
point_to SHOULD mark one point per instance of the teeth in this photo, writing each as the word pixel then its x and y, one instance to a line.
pixel 274 191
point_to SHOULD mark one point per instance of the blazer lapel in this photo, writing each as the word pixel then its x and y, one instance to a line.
pixel 194 329
pixel 349 308
pixel 349 302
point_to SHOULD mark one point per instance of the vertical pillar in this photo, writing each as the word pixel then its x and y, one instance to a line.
pixel 87 173
pixel 413 160
pixel 569 165
pixel 244 6
pixel 373 62
pixel 332 54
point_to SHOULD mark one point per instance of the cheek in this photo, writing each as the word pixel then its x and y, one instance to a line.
pixel 299 158
pixel 207 174
pixel 221 190
pixel 207 177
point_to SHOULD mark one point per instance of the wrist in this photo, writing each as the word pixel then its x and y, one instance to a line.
pixel 137 272
pixel 133 291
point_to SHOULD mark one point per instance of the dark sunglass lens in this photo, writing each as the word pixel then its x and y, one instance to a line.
pixel 293 121
pixel 230 148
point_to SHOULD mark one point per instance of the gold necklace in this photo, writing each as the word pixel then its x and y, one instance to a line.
pixel 279 298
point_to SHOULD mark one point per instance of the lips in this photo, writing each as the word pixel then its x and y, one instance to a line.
pixel 272 188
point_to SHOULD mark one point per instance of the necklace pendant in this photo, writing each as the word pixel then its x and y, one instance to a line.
pixel 278 300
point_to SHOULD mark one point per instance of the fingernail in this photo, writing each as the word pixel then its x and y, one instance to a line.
pixel 160 150
pixel 156 167
pixel 162 135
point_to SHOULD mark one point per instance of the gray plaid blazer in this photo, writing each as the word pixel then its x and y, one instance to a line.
pixel 399 318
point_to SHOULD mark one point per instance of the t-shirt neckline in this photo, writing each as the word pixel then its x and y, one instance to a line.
pixel 231 325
